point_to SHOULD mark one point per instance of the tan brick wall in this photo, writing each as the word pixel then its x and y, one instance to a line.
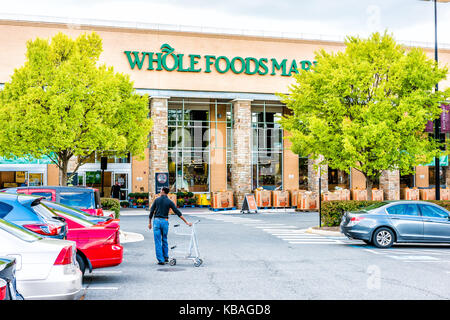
pixel 140 169
pixel 241 158
pixel 390 184
pixel 158 140
pixel 218 167
pixel 313 176
pixel 52 175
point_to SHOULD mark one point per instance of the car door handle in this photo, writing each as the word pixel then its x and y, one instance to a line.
pixel 395 218
pixel 427 220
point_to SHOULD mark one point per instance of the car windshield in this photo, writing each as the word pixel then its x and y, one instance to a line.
pixel 79 200
pixel 374 206
pixel 19 232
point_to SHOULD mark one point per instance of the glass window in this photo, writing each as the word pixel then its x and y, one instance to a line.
pixel 72 213
pixel 432 211
pixel 338 178
pixel 431 176
pixel 303 173
pixel 79 200
pixel 35 179
pixel 267 169
pixel 47 195
pixel 21 213
pixel 403 209
pixel 4 209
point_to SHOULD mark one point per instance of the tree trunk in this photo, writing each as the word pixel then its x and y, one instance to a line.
pixel 369 185
pixel 63 171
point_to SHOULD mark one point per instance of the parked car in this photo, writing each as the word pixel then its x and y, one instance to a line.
pixel 387 222
pixel 78 213
pixel 28 212
pixel 46 268
pixel 98 242
pixel 8 287
pixel 86 199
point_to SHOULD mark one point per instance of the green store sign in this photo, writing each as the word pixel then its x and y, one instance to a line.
pixel 170 61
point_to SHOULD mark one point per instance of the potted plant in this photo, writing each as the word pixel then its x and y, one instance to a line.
pixel 180 203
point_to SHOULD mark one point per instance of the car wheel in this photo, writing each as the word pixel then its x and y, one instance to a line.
pixel 383 238
pixel 81 263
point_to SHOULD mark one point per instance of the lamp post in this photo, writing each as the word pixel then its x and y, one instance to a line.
pixel 320 196
pixel 438 120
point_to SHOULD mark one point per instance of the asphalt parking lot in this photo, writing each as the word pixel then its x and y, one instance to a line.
pixel 269 256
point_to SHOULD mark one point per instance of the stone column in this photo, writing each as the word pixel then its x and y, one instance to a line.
pixel 158 157
pixel 241 157
pixel 390 184
pixel 313 175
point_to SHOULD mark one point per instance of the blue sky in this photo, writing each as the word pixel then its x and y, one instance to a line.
pixel 411 20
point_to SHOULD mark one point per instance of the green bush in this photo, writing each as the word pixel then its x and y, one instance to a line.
pixel 332 211
pixel 189 194
pixel 143 195
pixel 124 204
pixel 180 202
pixel 180 194
pixel 111 204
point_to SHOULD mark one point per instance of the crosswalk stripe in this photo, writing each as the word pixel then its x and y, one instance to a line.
pixel 312 242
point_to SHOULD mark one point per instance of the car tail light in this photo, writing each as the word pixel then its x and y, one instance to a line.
pixel 117 237
pixel 65 256
pixel 44 229
pixel 355 220
pixel 3 289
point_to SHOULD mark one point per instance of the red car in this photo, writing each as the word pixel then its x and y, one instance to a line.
pixel 85 199
pixel 98 243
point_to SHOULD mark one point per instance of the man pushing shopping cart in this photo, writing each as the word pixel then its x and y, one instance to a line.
pixel 160 208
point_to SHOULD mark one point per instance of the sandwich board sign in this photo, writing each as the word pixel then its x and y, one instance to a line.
pixel 249 204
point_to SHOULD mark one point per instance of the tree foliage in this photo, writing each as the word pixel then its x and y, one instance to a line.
pixel 366 107
pixel 62 104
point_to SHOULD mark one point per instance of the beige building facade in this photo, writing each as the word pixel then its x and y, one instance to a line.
pixel 213 99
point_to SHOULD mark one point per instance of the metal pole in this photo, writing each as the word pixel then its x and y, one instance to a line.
pixel 436 121
pixel 320 197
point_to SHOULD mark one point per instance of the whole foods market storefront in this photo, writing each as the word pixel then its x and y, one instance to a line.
pixel 213 101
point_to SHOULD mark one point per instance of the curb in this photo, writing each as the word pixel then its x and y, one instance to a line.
pixel 127 237
pixel 324 232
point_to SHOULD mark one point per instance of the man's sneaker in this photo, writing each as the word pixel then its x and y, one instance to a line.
pixel 161 263
pixel 166 260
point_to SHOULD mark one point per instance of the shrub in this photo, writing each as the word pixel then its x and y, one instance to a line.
pixel 180 202
pixel 180 194
pixel 124 204
pixel 111 204
pixel 189 194
pixel 332 211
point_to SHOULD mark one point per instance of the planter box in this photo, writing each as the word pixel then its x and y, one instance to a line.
pixel 280 199
pixel 427 194
pixel 445 194
pixel 359 195
pixel 220 199
pixel 308 200
pixel 410 194
pixel 331 196
pixel 263 198
pixel 377 195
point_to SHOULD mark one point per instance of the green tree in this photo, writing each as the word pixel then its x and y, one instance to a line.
pixel 366 107
pixel 63 104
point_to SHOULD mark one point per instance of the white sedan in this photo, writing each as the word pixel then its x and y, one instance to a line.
pixel 46 268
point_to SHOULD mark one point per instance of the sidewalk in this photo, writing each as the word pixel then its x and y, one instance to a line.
pixel 333 232
pixel 203 211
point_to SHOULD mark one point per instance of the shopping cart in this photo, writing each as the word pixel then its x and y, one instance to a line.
pixel 191 253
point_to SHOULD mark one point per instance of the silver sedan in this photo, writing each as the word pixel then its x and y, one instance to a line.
pixel 387 222
pixel 46 268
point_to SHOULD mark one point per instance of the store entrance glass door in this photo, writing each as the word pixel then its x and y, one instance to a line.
pixel 122 179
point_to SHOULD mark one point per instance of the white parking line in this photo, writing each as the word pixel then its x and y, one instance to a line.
pixel 314 242
pixel 101 288
pixel 106 271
